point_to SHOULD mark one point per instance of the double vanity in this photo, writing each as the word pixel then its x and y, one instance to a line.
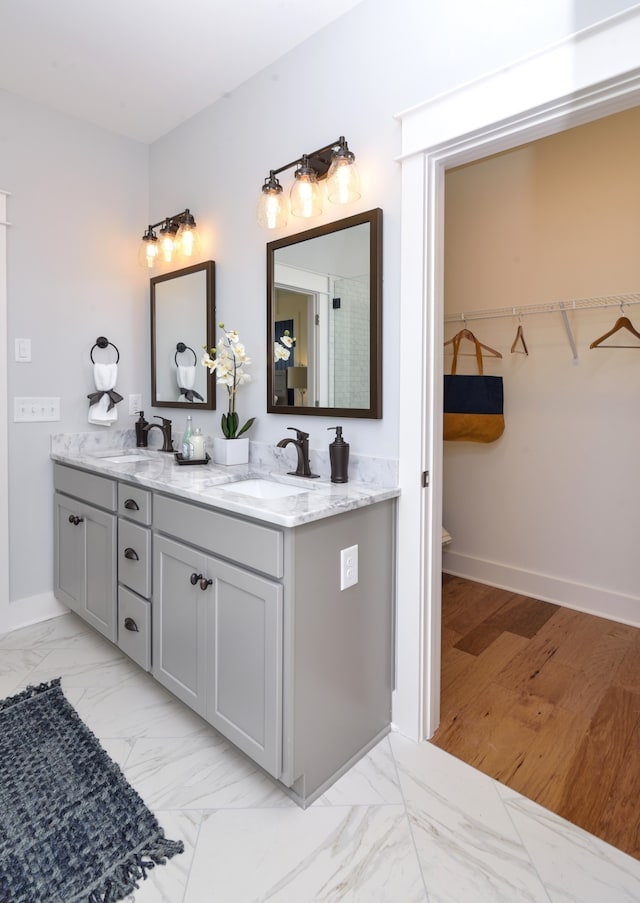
pixel 225 584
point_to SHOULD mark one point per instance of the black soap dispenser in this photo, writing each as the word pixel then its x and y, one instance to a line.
pixel 141 431
pixel 339 457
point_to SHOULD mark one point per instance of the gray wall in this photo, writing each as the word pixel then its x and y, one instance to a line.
pixel 78 206
pixel 79 196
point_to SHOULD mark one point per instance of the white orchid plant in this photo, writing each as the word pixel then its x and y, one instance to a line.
pixel 228 360
pixel 282 348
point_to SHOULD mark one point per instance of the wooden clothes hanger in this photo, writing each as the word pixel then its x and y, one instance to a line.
pixel 467 334
pixel 519 338
pixel 621 323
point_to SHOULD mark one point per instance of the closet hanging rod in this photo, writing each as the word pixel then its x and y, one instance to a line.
pixel 550 307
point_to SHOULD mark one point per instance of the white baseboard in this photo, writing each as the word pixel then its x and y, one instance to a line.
pixel 31 610
pixel 594 600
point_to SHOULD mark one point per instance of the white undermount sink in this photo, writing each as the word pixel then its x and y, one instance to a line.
pixel 122 457
pixel 263 489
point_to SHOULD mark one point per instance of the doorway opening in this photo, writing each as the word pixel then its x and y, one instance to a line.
pixel 577 81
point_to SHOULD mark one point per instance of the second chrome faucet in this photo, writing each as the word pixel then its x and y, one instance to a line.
pixel 301 443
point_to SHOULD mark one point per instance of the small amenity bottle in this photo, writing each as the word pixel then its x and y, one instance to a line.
pixel 197 443
pixel 187 443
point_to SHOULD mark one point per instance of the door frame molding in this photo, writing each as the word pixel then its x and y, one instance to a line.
pixel 4 422
pixel 590 74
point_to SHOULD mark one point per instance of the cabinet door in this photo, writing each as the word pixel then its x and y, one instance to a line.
pixel 179 660
pixel 85 563
pixel 70 577
pixel 245 631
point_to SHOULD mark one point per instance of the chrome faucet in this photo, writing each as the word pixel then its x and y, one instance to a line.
pixel 165 428
pixel 301 443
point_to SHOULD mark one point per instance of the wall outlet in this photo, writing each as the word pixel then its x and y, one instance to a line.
pixel 348 567
pixel 135 404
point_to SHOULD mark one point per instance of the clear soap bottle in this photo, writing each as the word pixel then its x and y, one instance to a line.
pixel 187 444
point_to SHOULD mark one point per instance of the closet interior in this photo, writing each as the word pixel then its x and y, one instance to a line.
pixel 542 264
pixel 544 241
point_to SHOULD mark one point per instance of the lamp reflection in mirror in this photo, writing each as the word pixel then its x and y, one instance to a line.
pixel 297 379
pixel 334 162
pixel 178 235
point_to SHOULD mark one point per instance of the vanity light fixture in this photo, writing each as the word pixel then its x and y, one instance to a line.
pixel 178 235
pixel 334 162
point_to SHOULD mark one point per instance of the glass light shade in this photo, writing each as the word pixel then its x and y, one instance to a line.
pixel 188 240
pixel 305 196
pixel 271 211
pixel 343 181
pixel 148 252
pixel 167 244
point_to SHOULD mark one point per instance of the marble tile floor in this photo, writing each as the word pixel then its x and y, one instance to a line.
pixel 408 823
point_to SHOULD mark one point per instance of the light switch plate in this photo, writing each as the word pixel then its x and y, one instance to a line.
pixel 22 351
pixel 31 410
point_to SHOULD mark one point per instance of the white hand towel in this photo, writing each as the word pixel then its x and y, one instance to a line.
pixel 186 377
pixel 102 402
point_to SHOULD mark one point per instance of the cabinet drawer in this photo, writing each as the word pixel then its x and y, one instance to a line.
pixel 134 627
pixel 253 545
pixel 99 491
pixel 134 557
pixel 134 503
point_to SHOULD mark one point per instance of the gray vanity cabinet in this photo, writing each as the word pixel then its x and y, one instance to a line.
pixel 243 620
pixel 217 644
pixel 85 543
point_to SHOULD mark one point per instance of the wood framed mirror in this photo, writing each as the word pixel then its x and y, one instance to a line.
pixel 182 322
pixel 324 288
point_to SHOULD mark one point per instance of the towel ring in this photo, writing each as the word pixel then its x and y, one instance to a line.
pixel 101 342
pixel 180 347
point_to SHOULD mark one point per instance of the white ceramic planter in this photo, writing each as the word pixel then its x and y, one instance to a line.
pixel 230 451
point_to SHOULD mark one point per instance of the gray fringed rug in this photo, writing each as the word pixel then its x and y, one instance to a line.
pixel 72 829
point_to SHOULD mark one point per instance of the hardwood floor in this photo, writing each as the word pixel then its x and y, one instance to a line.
pixel 547 701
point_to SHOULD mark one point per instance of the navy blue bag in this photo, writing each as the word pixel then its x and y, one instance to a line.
pixel 473 405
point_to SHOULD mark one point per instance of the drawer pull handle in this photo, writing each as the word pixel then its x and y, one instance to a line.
pixel 205 583
pixel 132 505
pixel 74 519
pixel 131 554
pixel 130 624
pixel 194 578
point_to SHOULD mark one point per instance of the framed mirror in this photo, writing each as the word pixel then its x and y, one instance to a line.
pixel 182 321
pixel 324 289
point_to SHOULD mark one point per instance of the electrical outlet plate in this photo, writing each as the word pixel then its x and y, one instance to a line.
pixel 348 567
pixel 135 404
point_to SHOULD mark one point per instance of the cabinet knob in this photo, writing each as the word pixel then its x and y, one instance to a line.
pixel 130 624
pixel 205 583
pixel 74 519
pixel 194 578
pixel 132 505
pixel 131 554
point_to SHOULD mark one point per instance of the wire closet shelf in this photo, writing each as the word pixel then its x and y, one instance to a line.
pixel 623 300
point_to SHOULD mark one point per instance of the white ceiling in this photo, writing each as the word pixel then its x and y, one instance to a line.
pixel 141 67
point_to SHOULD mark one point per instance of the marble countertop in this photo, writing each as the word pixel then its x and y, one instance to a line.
pixel 160 472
